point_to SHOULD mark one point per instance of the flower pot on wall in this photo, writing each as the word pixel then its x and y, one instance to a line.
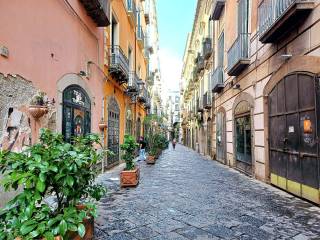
pixel 130 178
pixel 102 125
pixel 37 111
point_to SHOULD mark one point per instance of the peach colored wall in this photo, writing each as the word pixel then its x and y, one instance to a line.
pixel 46 40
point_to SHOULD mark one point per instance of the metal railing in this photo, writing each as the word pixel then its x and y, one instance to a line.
pixel 207 47
pixel 239 50
pixel 207 99
pixel 117 59
pixel 131 8
pixel 143 93
pixel 200 63
pixel 217 79
pixel 133 85
pixel 140 34
pixel 272 10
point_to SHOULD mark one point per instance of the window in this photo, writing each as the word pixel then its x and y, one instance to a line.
pixel 76 112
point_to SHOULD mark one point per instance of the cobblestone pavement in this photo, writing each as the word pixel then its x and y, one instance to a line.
pixel 186 196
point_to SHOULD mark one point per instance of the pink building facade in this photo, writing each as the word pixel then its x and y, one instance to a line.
pixel 56 47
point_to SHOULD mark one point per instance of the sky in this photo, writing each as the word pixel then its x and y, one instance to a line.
pixel 175 21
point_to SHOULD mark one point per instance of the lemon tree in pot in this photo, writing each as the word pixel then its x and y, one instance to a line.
pixel 129 177
pixel 51 168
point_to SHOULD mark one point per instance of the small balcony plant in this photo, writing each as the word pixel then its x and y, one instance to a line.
pixel 129 177
pixel 38 106
pixel 53 168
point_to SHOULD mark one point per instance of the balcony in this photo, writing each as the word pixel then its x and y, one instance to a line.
pixel 98 10
pixel 131 11
pixel 277 16
pixel 238 55
pixel 149 44
pixel 133 86
pixel 207 100
pixel 147 11
pixel 207 48
pixel 217 79
pixel 195 74
pixel 217 8
pixel 199 105
pixel 118 64
pixel 147 104
pixel 199 61
pixel 140 36
pixel 143 94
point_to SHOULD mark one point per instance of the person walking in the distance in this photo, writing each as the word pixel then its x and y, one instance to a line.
pixel 142 152
pixel 174 142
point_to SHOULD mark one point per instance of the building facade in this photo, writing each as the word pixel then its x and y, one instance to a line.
pixel 173 113
pixel 89 59
pixel 264 81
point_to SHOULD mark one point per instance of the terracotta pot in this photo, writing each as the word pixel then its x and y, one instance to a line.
pixel 102 125
pixel 87 222
pixel 37 111
pixel 129 178
pixel 151 160
pixel 89 225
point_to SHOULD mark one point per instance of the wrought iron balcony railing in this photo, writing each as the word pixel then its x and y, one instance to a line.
pixel 199 61
pixel 277 16
pixel 238 55
pixel 207 101
pixel 207 48
pixel 217 8
pixel 217 79
pixel 143 94
pixel 133 83
pixel 132 11
pixel 118 64
pixel 98 10
pixel 140 36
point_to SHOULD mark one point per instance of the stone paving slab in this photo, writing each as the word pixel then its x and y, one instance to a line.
pixel 187 196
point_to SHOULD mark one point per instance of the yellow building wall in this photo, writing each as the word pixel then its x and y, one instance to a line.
pixel 127 38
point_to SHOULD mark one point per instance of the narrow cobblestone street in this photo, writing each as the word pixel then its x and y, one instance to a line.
pixel 185 196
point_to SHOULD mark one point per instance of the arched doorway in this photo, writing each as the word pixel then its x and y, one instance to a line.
pixel 76 119
pixel 138 128
pixel 221 136
pixel 293 112
pixel 113 130
pixel 243 137
pixel 129 122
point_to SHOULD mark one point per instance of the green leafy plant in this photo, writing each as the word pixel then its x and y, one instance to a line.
pixel 39 99
pixel 50 168
pixel 129 147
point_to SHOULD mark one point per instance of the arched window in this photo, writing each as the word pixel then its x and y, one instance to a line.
pixel 76 112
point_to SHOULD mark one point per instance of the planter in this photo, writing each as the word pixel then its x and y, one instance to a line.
pixel 89 225
pixel 129 178
pixel 151 160
pixel 102 125
pixel 37 111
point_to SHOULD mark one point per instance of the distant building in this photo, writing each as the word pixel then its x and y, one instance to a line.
pixel 173 113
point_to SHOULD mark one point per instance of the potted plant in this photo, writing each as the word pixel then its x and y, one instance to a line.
pixel 37 106
pixel 151 159
pixel 129 177
pixel 51 168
